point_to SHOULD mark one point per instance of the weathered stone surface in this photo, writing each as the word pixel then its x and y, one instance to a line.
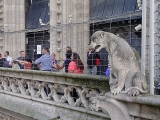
pixel 84 80
pixel 125 71
pixel 58 102
pixel 122 106
pixel 43 110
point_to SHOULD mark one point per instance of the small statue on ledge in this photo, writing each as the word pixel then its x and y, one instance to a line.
pixel 125 71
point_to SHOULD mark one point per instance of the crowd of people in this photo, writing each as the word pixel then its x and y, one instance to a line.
pixel 46 62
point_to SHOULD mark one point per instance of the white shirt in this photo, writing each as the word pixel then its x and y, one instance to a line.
pixel 9 59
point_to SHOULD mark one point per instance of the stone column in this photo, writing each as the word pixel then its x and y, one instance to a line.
pixel 64 18
pixel 1 27
pixel 14 22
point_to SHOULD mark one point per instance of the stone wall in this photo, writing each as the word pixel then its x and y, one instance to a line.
pixel 13 20
pixel 64 16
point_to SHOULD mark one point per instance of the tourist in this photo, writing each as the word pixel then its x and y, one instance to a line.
pixel 27 64
pixel 45 60
pixel 108 69
pixel 68 48
pixel 21 58
pixel 36 56
pixel 75 66
pixel 91 62
pixel 9 61
pixel 54 61
pixel 2 60
pixel 66 62
pixel 103 65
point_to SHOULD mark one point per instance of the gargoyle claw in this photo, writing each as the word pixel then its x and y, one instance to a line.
pixel 116 91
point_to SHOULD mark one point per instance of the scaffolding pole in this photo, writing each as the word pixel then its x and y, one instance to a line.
pixel 151 42
pixel 143 49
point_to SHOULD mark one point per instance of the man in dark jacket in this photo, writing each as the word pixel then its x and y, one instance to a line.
pixel 102 67
pixel 91 62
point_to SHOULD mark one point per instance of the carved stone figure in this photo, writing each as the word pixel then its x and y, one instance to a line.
pixel 125 71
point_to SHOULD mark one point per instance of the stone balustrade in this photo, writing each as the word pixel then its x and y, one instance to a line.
pixel 30 95
pixel 59 89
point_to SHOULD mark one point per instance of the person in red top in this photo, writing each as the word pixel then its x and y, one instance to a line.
pixel 75 66
pixel 27 63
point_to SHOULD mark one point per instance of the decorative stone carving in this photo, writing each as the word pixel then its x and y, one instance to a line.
pixel 21 88
pixel 117 110
pixel 125 72
pixel 70 98
pixel 30 89
pixel 54 93
pixel 13 86
pixel 59 93
pixel 4 85
pixel 41 91
pixel 139 2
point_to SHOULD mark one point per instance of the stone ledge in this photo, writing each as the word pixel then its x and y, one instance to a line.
pixel 146 99
pixel 144 106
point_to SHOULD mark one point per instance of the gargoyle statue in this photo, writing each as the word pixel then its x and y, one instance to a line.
pixel 125 72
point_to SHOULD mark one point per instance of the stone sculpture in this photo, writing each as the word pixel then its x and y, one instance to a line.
pixel 125 72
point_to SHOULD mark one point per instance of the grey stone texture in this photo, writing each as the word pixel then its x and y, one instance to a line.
pixel 125 71
pixel 34 102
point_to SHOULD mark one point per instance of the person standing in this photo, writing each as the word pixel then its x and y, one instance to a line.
pixel 91 62
pixel 75 66
pixel 2 60
pixel 9 61
pixel 35 57
pixel 66 62
pixel 68 48
pixel 54 61
pixel 45 60
pixel 21 58
pixel 27 63
pixel 103 65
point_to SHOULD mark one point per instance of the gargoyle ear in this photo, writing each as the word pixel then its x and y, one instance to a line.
pixel 102 34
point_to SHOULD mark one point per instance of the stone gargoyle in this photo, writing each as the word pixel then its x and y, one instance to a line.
pixel 126 76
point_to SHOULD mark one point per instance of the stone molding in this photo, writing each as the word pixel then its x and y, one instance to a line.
pixel 123 107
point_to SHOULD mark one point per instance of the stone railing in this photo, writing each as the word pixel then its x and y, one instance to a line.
pixel 68 91
pixel 29 95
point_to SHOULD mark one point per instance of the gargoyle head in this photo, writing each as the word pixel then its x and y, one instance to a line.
pixel 98 40
pixel 94 104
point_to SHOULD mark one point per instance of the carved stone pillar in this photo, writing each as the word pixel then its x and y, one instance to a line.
pixel 14 20
pixel 65 30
